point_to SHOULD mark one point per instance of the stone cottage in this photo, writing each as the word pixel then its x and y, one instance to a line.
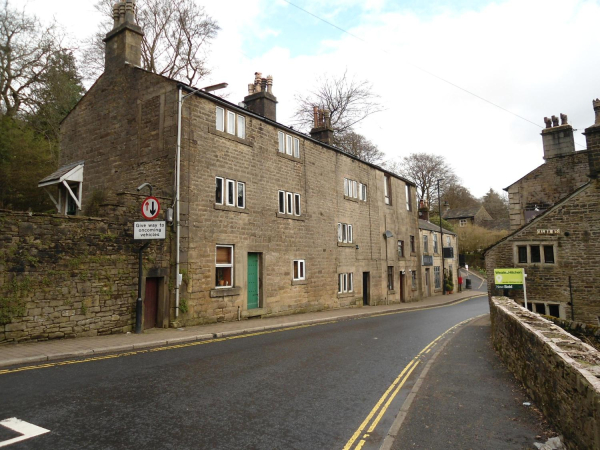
pixel 266 220
pixel 559 248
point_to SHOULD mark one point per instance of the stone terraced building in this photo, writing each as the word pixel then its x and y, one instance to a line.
pixel 271 220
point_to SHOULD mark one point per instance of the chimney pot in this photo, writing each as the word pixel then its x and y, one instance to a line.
pixel 322 130
pixel 596 104
pixel 557 139
pixel 592 137
pixel 548 122
pixel 260 98
pixel 124 41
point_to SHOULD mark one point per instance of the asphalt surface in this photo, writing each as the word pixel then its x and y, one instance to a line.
pixel 302 388
pixel 469 400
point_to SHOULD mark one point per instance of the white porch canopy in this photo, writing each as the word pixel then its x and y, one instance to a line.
pixel 71 173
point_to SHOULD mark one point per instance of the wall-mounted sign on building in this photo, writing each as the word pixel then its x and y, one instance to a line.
pixel 149 230
pixel 548 231
pixel 509 278
pixel 427 260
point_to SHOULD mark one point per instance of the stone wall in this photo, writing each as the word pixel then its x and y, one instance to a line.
pixel 559 372
pixel 68 276
pixel 576 255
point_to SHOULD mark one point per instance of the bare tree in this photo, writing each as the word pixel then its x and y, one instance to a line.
pixel 358 145
pixel 424 170
pixel 27 52
pixel 177 34
pixel 348 100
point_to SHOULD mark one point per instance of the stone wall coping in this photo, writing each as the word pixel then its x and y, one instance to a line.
pixel 568 347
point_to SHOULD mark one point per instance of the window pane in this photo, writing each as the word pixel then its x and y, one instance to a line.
pixel 408 199
pixel 282 202
pixel 223 276
pixel 549 254
pixel 219 191
pixel 535 254
pixel 224 255
pixel 241 197
pixel 354 190
pixel 302 269
pixel 288 144
pixel 346 187
pixel 412 244
pixel 340 283
pixel 364 192
pixel 401 249
pixel 241 127
pixel 554 310
pixel 540 308
pixel 350 234
pixel 350 283
pixel 281 138
pixel 230 192
pixel 522 251
pixel 360 197
pixel 289 202
pixel 296 148
pixel 220 125
pixel 296 270
pixel 339 232
pixel 297 204
pixel 345 283
pixel 230 122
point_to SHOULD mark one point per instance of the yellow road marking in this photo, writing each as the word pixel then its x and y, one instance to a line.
pixel 396 386
pixel 210 341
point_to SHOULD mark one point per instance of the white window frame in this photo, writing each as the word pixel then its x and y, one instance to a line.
pixel 281 141
pixel 230 125
pixel 360 191
pixel 354 189
pixel 364 195
pixel 288 144
pixel 289 198
pixel 340 236
pixel 437 280
pixel 386 189
pixel 231 264
pixel 408 198
pixel 281 201
pixel 346 187
pixel 296 148
pixel 230 189
pixel 301 269
pixel 220 119
pixel 425 244
pixel 462 222
pixel 435 243
pixel 297 204
pixel 241 127
pixel 413 279
pixel 242 185
pixel 350 282
pixel 217 179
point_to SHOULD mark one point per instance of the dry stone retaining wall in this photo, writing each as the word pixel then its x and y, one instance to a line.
pixel 67 276
pixel 561 373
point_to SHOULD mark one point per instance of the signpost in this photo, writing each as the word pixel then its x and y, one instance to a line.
pixel 511 279
pixel 149 230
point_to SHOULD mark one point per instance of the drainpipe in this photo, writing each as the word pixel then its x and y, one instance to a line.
pixel 177 185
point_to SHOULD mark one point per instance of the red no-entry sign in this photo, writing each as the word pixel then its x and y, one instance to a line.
pixel 150 208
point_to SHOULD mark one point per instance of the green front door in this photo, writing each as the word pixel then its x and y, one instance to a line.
pixel 252 280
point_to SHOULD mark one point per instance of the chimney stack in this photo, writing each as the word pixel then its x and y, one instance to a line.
pixel 557 139
pixel 260 98
pixel 592 134
pixel 124 41
pixel 322 130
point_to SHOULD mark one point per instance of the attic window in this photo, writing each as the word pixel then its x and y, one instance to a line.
pixel 67 184
pixel 230 122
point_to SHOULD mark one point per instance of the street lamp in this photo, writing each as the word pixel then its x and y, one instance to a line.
pixel 441 236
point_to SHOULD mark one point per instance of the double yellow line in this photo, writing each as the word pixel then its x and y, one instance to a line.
pixel 388 396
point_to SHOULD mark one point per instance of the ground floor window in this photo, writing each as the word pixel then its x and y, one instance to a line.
pixel 344 233
pixel 390 278
pixel 299 270
pixel 547 309
pixel 436 277
pixel 224 266
pixel 345 282
pixel 413 279
pixel 535 254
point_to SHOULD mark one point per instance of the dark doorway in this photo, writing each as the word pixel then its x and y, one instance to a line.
pixel 150 303
pixel 366 288
pixel 402 299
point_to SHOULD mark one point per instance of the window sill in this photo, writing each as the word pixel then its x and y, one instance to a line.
pixel 346 244
pixel 290 216
pixel 289 157
pixel 231 208
pixel 345 294
pixel 225 292
pixel 393 291
pixel 299 282
pixel 352 199
pixel 231 137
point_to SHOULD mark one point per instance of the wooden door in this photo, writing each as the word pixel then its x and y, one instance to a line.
pixel 253 280
pixel 366 288
pixel 150 303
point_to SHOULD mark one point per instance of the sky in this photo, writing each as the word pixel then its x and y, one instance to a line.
pixel 470 80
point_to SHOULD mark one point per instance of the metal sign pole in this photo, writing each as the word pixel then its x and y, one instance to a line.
pixel 138 303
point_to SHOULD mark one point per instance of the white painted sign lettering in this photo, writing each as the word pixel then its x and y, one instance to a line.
pixel 149 230
pixel 27 430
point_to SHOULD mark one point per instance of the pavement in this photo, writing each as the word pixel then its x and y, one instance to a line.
pixel 35 352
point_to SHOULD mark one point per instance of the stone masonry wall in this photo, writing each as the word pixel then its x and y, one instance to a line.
pixel 68 276
pixel 547 184
pixel 576 253
pixel 560 373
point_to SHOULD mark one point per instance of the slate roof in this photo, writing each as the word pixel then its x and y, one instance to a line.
pixel 55 176
pixel 426 225
pixel 461 213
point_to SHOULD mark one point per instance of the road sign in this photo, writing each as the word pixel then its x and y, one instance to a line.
pixel 150 208
pixel 149 230
pixel 509 278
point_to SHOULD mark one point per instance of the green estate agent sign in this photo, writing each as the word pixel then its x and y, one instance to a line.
pixel 509 278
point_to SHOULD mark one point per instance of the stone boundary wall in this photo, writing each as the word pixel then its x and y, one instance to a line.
pixel 68 276
pixel 560 373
